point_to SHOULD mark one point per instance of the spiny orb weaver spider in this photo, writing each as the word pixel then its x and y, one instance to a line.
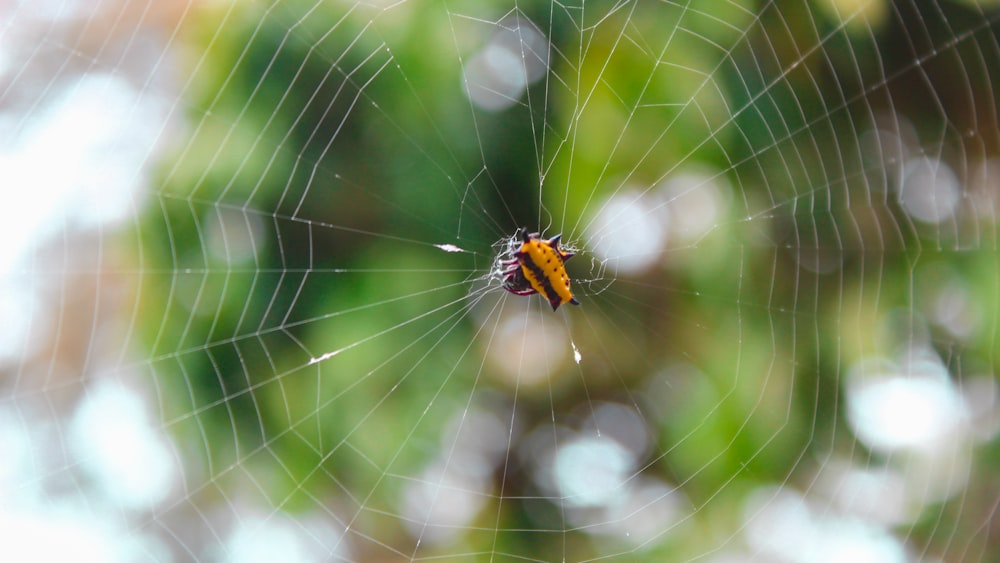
pixel 539 267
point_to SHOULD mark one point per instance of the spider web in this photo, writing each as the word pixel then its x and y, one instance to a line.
pixel 253 294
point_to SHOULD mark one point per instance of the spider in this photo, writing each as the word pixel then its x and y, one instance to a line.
pixel 539 267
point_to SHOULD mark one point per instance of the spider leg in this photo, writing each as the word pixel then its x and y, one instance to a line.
pixel 521 292
pixel 517 286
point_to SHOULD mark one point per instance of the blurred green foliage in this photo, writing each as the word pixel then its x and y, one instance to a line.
pixel 341 137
